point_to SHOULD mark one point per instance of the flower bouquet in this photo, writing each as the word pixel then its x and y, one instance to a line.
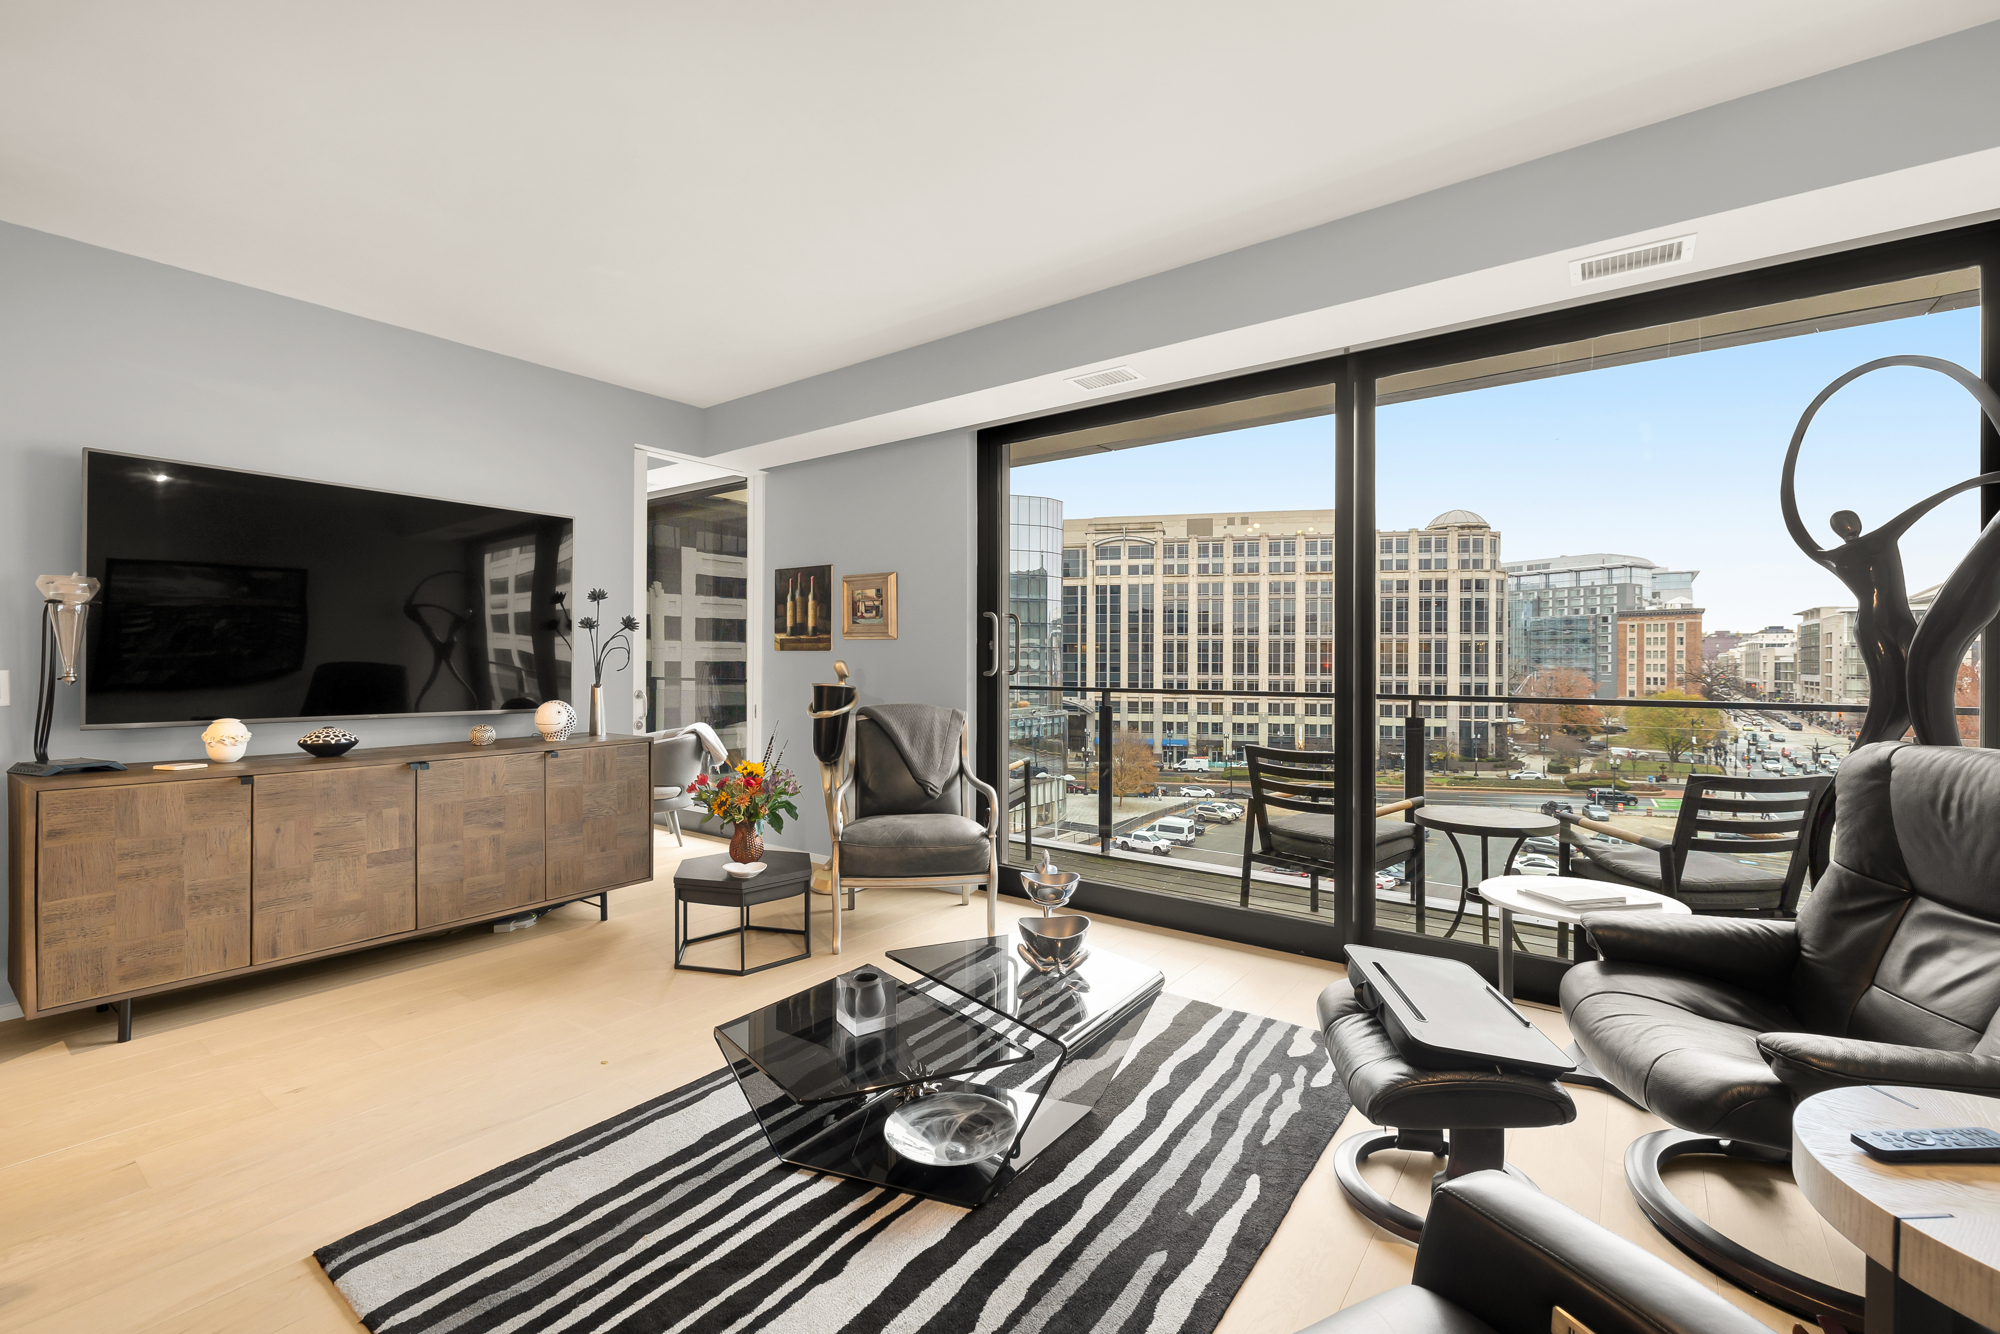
pixel 746 796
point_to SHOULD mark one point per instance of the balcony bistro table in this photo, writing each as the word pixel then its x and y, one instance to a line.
pixel 1930 1231
pixel 1482 823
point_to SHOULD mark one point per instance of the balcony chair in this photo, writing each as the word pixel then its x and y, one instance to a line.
pixel 678 757
pixel 1721 1026
pixel 1499 1257
pixel 1765 815
pixel 902 804
pixel 1301 782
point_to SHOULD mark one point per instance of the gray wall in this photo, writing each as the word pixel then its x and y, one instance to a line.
pixel 906 507
pixel 1922 104
pixel 102 349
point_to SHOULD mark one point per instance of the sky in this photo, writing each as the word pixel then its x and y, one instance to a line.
pixel 1675 460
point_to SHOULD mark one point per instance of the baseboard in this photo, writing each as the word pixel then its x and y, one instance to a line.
pixel 10 1010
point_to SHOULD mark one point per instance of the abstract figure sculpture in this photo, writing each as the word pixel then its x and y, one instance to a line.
pixel 1912 669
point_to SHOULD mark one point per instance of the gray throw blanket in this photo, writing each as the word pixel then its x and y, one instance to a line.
pixel 927 737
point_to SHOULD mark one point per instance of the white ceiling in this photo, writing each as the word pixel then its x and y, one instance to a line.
pixel 705 200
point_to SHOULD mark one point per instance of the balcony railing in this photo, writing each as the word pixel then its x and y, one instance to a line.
pixel 1049 775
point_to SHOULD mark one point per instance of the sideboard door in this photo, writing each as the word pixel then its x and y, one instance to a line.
pixel 335 858
pixel 479 837
pixel 600 829
pixel 139 885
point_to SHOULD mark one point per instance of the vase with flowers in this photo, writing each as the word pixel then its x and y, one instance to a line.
pixel 748 795
pixel 617 641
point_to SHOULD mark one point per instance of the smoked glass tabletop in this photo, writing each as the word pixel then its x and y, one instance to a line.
pixel 991 971
pixel 809 1054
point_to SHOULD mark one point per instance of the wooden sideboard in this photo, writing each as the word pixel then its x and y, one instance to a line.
pixel 129 884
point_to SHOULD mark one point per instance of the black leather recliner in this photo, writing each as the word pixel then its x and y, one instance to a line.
pixel 1498 1257
pixel 1888 976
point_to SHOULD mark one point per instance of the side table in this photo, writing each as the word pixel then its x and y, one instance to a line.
pixel 702 880
pixel 1930 1231
pixel 1482 823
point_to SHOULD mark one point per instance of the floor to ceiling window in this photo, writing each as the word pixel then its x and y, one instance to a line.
pixel 697 612
pixel 1567 578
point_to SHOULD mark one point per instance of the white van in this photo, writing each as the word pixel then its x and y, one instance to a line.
pixel 1175 829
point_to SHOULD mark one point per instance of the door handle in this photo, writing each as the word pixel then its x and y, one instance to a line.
pixel 1015 665
pixel 994 617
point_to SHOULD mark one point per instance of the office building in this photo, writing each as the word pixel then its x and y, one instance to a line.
pixel 1767 661
pixel 1830 670
pixel 1656 649
pixel 1582 598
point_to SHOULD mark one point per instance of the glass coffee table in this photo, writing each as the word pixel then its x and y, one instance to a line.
pixel 978 1019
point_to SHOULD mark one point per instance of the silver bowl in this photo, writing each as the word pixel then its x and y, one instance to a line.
pixel 947 1129
pixel 1055 940
pixel 1052 890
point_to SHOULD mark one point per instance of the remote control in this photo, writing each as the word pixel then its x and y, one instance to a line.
pixel 1962 1144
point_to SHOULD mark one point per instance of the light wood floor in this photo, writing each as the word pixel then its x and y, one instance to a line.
pixel 180 1182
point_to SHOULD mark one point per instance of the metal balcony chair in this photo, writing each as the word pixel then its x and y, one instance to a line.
pixel 1721 819
pixel 890 830
pixel 1301 783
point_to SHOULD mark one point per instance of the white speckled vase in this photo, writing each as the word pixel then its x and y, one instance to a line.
pixel 555 719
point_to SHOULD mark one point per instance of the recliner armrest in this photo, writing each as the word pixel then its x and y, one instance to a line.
pixel 1750 952
pixel 1810 1063
pixel 1508 1253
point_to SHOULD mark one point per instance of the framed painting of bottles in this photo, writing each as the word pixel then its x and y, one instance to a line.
pixel 803 605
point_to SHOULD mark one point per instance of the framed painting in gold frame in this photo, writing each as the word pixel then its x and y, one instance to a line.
pixel 868 606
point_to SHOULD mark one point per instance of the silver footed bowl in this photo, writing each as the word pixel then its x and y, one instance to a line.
pixel 947 1129
pixel 1055 940
pixel 1052 890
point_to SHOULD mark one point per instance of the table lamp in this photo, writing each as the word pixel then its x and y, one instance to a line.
pixel 65 601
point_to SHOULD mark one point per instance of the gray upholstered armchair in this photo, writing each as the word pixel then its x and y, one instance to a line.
pixel 678 757
pixel 902 806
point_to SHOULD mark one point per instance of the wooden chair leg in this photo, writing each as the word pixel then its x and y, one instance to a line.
pixel 833 897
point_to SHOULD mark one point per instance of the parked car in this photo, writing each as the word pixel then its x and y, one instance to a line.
pixel 1795 724
pixel 1536 863
pixel 1176 829
pixel 1140 840
pixel 1197 792
pixel 1772 766
pixel 1387 880
pixel 1529 775
pixel 1542 843
pixel 1216 811
pixel 1596 813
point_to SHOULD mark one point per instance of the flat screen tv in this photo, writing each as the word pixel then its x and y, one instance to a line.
pixel 231 594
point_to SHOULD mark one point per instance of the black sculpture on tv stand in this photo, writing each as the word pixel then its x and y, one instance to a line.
pixel 65 604
pixel 1904 661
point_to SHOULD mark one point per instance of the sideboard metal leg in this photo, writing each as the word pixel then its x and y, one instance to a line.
pixel 604 906
pixel 125 1020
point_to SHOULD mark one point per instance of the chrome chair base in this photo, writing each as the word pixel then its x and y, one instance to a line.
pixel 1786 1289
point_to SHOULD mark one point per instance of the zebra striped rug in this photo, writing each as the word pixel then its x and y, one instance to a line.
pixel 1143 1219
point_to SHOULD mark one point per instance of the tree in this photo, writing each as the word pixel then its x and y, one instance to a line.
pixel 1134 770
pixel 1967 695
pixel 1716 679
pixel 1559 683
pixel 1673 732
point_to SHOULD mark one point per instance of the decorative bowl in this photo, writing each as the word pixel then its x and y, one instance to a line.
pixel 328 742
pixel 947 1129
pixel 484 734
pixel 1052 889
pixel 1055 940
pixel 742 870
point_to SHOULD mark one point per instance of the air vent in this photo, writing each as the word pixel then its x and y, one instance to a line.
pixel 1106 378
pixel 1652 255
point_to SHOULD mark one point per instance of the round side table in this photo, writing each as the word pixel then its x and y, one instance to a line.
pixel 1482 823
pixel 1931 1231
